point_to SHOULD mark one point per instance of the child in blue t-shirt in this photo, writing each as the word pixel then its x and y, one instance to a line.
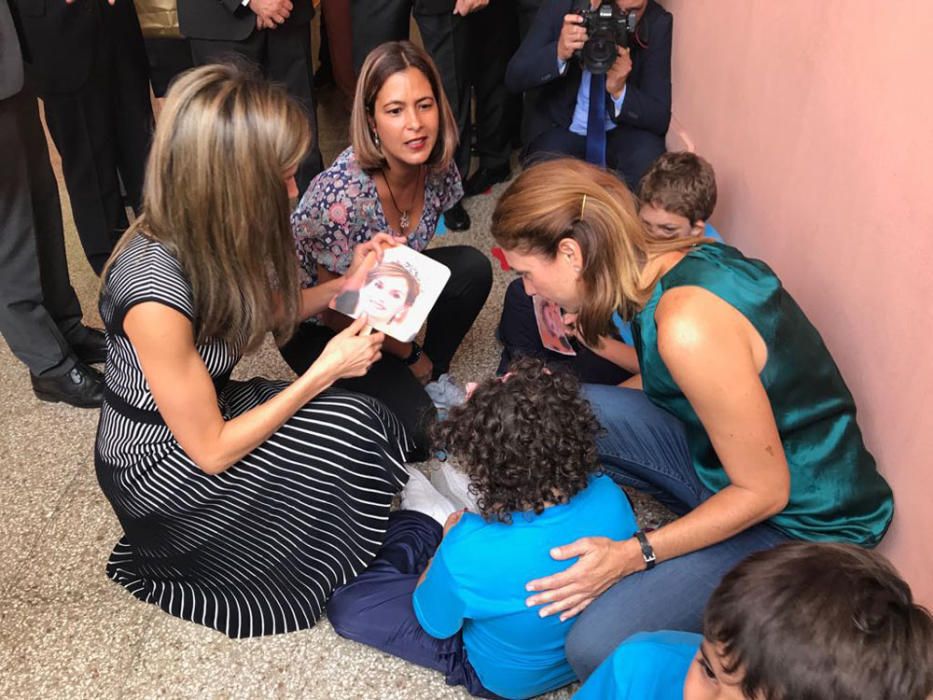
pixel 527 443
pixel 801 620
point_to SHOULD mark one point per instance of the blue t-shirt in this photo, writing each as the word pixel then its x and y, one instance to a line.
pixel 624 327
pixel 477 582
pixel 647 666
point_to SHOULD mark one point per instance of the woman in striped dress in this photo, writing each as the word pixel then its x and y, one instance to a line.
pixel 244 504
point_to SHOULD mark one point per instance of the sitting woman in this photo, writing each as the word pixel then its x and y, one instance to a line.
pixel 527 444
pixel 740 420
pixel 244 503
pixel 398 176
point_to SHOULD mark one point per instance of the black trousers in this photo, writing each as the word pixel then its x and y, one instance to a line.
pixel 284 56
pixel 389 379
pixel 518 333
pixel 629 151
pixel 102 131
pixel 39 310
pixel 493 36
pixel 446 38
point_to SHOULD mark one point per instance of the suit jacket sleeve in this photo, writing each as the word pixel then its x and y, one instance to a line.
pixel 647 103
pixel 535 62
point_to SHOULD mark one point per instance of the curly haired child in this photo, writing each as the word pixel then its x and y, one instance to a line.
pixel 454 599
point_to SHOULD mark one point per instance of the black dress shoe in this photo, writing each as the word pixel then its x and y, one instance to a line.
pixel 83 387
pixel 456 218
pixel 484 178
pixel 91 346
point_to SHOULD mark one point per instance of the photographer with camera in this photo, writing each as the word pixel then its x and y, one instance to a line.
pixel 623 48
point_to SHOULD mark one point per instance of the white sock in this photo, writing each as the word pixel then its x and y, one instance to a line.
pixel 455 485
pixel 421 496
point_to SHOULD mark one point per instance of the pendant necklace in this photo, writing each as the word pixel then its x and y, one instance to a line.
pixel 403 220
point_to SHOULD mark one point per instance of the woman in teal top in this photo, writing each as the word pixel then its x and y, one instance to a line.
pixel 739 421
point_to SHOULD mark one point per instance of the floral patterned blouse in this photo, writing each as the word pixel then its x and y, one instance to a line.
pixel 341 209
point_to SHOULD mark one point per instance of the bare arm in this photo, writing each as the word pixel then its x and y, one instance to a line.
pixel 715 356
pixel 184 392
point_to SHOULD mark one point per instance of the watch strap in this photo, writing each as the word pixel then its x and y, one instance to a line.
pixel 647 552
pixel 414 355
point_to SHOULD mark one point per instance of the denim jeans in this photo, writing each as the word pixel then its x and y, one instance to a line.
pixel 645 447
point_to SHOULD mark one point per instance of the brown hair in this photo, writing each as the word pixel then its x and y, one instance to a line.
pixel 214 195
pixel 525 440
pixel 822 622
pixel 382 63
pixel 681 183
pixel 567 198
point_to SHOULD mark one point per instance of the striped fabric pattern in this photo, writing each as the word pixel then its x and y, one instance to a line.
pixel 258 548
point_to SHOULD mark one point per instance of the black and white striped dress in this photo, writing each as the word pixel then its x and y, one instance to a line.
pixel 258 548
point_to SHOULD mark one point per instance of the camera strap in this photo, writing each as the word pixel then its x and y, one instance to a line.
pixel 596 121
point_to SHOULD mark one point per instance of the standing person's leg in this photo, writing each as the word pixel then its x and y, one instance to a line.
pixel 375 22
pixel 446 38
pixel 375 608
pixel 671 596
pixel 131 105
pixel 340 45
pixel 630 152
pixel 27 326
pixel 519 335
pixel 492 32
pixel 388 380
pixel 288 61
pixel 82 125
pixel 459 303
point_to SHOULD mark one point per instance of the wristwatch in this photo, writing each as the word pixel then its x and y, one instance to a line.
pixel 647 552
pixel 416 352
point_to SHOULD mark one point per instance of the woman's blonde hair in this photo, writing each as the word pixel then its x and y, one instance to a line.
pixel 567 198
pixel 215 196
pixel 381 64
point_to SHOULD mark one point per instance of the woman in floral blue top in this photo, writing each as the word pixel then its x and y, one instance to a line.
pixel 397 177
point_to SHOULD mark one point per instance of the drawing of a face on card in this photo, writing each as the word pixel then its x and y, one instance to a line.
pixel 551 326
pixel 397 294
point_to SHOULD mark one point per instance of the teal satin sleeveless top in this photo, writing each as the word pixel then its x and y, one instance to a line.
pixel 836 492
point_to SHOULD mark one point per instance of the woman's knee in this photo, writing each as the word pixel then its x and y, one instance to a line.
pixel 586 647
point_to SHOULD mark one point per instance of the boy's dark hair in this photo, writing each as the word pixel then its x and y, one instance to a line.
pixel 524 440
pixel 682 183
pixel 808 621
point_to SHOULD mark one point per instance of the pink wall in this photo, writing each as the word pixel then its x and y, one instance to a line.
pixel 818 117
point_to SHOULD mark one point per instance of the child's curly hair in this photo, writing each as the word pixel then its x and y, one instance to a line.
pixel 525 440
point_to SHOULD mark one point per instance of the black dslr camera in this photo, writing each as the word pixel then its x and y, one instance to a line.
pixel 606 27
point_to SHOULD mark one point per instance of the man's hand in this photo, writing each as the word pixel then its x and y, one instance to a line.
pixel 600 565
pixel 618 73
pixel 465 7
pixel 271 12
pixel 572 37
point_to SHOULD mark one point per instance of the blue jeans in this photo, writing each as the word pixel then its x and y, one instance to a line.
pixel 646 448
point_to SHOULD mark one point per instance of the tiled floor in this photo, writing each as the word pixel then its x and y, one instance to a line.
pixel 68 632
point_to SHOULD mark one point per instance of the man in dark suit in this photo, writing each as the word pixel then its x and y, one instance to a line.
pixel 86 60
pixel 40 317
pixel 273 34
pixel 637 87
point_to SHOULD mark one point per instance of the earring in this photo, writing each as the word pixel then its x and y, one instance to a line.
pixel 376 140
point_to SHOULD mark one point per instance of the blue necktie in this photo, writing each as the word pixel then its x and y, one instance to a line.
pixel 596 122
